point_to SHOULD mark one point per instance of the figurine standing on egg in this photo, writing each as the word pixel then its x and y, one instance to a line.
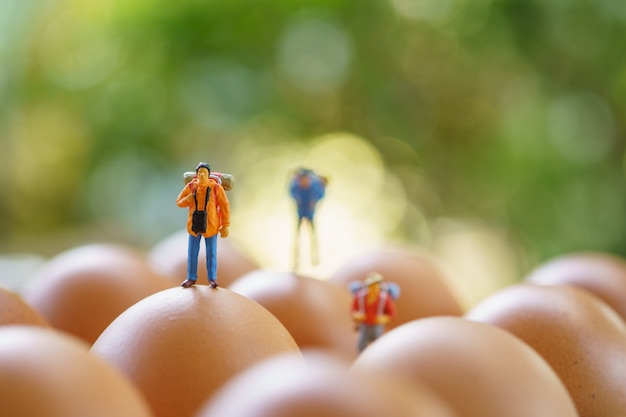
pixel 306 188
pixel 373 306
pixel 209 214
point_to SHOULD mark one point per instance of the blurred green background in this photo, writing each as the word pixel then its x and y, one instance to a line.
pixel 498 115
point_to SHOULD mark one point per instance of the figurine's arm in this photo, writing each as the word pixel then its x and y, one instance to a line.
pixel 357 315
pixel 185 198
pixel 319 189
pixel 390 309
pixel 295 191
pixel 224 209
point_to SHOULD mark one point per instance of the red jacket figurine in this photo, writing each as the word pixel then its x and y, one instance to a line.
pixel 372 308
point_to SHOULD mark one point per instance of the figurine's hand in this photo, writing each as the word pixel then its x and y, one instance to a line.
pixel 383 319
pixel 224 231
pixel 358 317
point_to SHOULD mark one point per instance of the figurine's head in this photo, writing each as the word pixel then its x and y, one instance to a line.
pixel 304 177
pixel 304 181
pixel 203 165
pixel 373 278
pixel 373 281
pixel 202 172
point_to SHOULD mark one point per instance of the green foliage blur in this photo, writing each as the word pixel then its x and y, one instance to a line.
pixel 514 108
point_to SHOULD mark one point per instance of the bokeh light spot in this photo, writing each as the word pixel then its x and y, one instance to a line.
pixel 219 94
pixel 584 212
pixel 478 259
pixel 611 8
pixel 77 61
pixel 133 100
pixel 15 19
pixel 48 148
pixel 314 54
pixel 522 115
pixel 130 192
pixel 581 128
pixel 50 139
pixel 363 204
pixel 425 10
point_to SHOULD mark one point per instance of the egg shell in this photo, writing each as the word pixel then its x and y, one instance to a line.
pixel 169 257
pixel 14 310
pixel 477 369
pixel 425 291
pixel 580 336
pixel 315 312
pixel 179 345
pixel 82 290
pixel 46 373
pixel 284 386
pixel 602 274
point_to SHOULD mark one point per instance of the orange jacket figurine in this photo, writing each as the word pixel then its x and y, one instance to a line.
pixel 372 308
pixel 209 213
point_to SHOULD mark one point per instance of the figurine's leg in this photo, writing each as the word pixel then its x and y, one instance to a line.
pixel 377 331
pixel 296 245
pixel 314 251
pixel 363 337
pixel 193 247
pixel 211 259
pixel 368 333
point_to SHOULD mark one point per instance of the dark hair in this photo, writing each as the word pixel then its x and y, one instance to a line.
pixel 203 165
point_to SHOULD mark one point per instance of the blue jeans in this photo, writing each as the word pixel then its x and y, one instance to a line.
pixel 193 248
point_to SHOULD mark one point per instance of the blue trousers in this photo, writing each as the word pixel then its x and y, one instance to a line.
pixel 193 248
pixel 368 333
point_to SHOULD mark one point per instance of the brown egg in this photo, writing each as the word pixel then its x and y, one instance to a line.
pixel 581 337
pixel 46 373
pixel 315 312
pixel 169 258
pixel 284 386
pixel 424 290
pixel 602 274
pixel 82 290
pixel 14 310
pixel 181 344
pixel 477 369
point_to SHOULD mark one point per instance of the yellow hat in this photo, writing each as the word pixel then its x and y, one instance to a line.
pixel 373 278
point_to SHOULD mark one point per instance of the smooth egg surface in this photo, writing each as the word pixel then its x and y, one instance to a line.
pixel 602 274
pixel 82 290
pixel 179 345
pixel 479 370
pixel 47 373
pixel 315 312
pixel 284 386
pixel 579 335
pixel 14 310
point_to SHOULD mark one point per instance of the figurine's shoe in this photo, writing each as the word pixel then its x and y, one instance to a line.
pixel 213 283
pixel 188 283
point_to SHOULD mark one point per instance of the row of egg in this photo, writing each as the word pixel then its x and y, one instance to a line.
pixel 99 332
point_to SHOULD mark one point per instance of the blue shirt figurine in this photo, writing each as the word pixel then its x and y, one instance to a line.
pixel 306 188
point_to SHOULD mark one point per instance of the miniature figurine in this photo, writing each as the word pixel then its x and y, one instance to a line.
pixel 307 188
pixel 373 306
pixel 209 213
